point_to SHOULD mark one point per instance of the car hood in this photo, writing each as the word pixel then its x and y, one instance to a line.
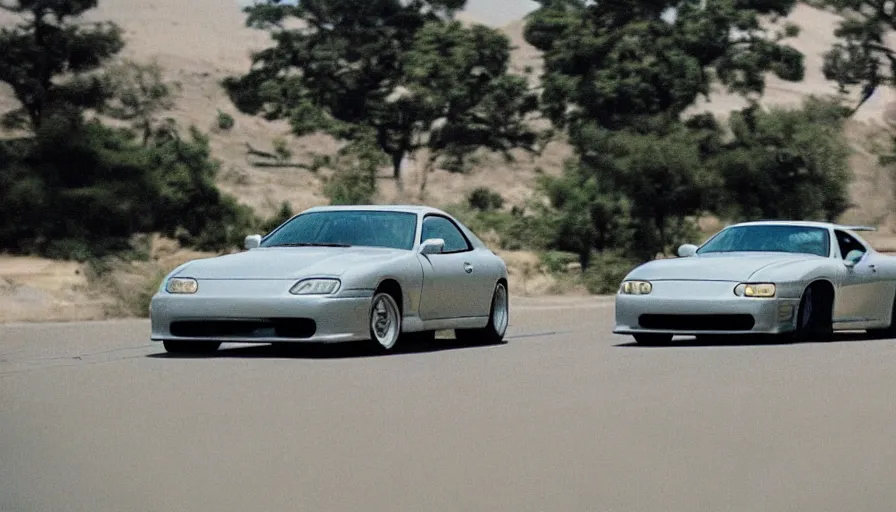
pixel 716 267
pixel 287 262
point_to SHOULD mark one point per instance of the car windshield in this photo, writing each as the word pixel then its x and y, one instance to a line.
pixel 770 238
pixel 347 228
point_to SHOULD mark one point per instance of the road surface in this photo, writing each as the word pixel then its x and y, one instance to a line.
pixel 565 417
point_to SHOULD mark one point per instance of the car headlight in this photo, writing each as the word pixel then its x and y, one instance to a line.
pixel 315 287
pixel 181 285
pixel 635 288
pixel 755 290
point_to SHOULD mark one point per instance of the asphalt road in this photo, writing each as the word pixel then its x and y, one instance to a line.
pixel 565 417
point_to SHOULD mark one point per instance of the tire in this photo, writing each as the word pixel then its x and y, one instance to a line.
pixel 653 339
pixel 498 321
pixel 813 319
pixel 887 332
pixel 384 321
pixel 190 347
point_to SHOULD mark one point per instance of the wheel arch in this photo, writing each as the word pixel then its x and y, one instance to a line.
pixel 391 286
pixel 825 286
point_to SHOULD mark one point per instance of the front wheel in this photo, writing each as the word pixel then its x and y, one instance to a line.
pixel 814 317
pixel 385 321
pixel 498 320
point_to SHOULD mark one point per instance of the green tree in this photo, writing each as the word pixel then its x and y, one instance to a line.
pixel 48 57
pixel 457 88
pixel 355 167
pixel 580 215
pixel 138 93
pixel 786 163
pixel 398 69
pixel 619 77
pixel 79 189
pixel 621 64
pixel 186 202
pixel 861 57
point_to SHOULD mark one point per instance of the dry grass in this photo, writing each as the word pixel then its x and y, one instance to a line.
pixel 199 42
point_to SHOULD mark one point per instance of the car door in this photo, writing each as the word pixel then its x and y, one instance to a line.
pixel 879 301
pixel 856 295
pixel 448 277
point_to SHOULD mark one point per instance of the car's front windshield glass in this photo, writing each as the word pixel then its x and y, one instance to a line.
pixel 347 228
pixel 770 238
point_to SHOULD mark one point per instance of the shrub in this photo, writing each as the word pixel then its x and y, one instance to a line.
pixel 225 121
pixel 558 261
pixel 79 190
pixel 606 272
pixel 483 199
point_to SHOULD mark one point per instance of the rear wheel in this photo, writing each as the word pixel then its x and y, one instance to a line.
pixel 498 320
pixel 190 347
pixel 653 339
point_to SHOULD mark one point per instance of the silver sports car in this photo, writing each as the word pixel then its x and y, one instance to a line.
pixel 337 274
pixel 800 280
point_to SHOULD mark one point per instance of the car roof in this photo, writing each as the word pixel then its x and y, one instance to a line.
pixel 804 223
pixel 404 208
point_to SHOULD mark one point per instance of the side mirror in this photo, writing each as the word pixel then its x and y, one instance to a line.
pixel 432 246
pixel 853 257
pixel 687 250
pixel 252 241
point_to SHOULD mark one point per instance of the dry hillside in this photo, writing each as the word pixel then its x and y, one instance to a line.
pixel 198 42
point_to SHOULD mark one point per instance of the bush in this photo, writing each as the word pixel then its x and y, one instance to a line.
pixel 81 190
pixel 483 199
pixel 354 179
pixel 283 214
pixel 225 121
pixel 785 164
pixel 558 261
pixel 513 230
pixel 606 272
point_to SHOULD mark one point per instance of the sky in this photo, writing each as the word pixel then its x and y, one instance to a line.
pixel 491 12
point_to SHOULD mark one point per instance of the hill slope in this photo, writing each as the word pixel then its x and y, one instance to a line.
pixel 199 42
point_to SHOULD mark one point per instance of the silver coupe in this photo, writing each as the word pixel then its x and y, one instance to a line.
pixel 377 274
pixel 798 280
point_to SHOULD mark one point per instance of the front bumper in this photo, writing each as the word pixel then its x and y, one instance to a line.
pixel 700 307
pixel 259 312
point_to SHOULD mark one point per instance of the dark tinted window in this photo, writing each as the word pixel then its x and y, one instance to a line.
pixel 770 238
pixel 440 227
pixel 848 244
pixel 348 227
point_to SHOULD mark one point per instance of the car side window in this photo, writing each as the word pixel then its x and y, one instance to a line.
pixel 439 227
pixel 848 244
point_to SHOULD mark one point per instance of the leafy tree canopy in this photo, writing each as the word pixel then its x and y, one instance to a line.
pixel 78 189
pixel 785 163
pixel 139 92
pixel 399 69
pixel 861 57
pixel 620 63
pixel 48 43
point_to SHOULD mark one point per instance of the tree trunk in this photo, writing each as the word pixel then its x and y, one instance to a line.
pixel 397 158
pixel 424 174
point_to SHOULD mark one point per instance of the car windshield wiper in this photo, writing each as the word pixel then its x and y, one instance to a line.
pixel 310 244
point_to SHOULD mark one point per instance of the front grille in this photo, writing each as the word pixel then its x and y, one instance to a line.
pixel 697 322
pixel 267 328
